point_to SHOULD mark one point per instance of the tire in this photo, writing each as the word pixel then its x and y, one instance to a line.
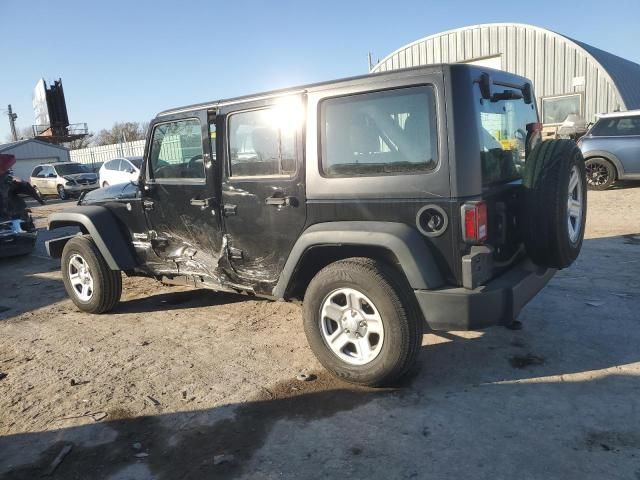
pixel 37 190
pixel 105 184
pixel 398 314
pixel 106 284
pixel 62 193
pixel 552 231
pixel 601 173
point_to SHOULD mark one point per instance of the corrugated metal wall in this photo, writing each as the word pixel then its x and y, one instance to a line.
pixel 104 153
pixel 554 63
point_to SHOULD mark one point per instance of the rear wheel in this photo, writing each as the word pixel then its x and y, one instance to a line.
pixel 361 321
pixel 105 184
pixel 601 173
pixel 88 280
pixel 62 193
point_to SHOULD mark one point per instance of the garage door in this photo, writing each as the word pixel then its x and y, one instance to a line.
pixel 24 166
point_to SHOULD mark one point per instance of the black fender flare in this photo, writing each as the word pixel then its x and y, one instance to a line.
pixel 406 243
pixel 103 227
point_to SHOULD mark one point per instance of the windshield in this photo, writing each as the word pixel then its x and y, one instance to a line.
pixel 71 169
pixel 137 162
pixel 506 128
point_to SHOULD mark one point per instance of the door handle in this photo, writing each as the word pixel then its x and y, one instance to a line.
pixel 203 203
pixel 279 200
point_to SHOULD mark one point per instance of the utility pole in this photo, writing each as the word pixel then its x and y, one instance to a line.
pixel 12 122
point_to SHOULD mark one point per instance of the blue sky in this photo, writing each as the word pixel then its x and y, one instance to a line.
pixel 126 60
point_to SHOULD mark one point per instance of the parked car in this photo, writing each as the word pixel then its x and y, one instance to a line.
pixel 66 179
pixel 388 203
pixel 120 170
pixel 611 149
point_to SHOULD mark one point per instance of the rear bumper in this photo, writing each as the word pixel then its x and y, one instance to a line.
pixel 497 303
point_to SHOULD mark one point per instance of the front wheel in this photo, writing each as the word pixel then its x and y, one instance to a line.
pixel 601 174
pixel 105 184
pixel 88 280
pixel 361 321
pixel 62 193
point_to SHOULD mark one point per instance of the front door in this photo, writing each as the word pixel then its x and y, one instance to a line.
pixel 263 197
pixel 179 195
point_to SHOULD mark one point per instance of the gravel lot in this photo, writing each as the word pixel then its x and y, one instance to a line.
pixel 183 383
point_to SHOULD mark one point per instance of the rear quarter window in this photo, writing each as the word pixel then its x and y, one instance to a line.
pixel 389 132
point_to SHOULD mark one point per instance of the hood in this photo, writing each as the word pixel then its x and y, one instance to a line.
pixel 120 191
pixel 81 176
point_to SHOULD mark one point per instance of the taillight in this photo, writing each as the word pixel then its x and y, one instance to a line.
pixel 474 222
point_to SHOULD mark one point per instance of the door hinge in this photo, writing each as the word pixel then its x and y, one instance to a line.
pixel 235 253
pixel 229 210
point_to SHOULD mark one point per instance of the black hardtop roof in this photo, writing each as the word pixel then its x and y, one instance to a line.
pixel 404 72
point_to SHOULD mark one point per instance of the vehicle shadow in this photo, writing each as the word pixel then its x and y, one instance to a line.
pixel 625 184
pixel 322 431
pixel 180 300
pixel 28 283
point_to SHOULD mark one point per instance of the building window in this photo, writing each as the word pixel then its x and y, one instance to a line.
pixel 555 110
pixel 382 133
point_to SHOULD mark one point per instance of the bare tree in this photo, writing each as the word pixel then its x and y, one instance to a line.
pixel 121 132
pixel 82 142
pixel 23 133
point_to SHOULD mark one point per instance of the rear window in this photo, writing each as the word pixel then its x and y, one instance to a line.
pixel 616 127
pixel 506 130
pixel 380 133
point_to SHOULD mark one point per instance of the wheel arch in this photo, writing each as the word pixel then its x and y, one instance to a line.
pixel 98 222
pixel 611 158
pixel 396 244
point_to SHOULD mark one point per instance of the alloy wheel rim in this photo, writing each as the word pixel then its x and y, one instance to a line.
pixel 351 326
pixel 575 205
pixel 80 277
pixel 597 174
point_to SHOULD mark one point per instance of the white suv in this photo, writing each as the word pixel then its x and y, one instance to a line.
pixel 120 170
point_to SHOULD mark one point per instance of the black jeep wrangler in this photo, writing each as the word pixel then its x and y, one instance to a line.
pixel 388 203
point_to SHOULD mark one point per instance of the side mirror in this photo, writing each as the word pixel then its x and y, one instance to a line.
pixel 51 175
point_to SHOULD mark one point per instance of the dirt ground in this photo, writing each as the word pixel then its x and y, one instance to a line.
pixel 180 383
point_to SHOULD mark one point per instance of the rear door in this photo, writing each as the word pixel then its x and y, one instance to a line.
pixel 179 195
pixel 263 197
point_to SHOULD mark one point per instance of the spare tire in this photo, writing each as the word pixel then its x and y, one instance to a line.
pixel 554 204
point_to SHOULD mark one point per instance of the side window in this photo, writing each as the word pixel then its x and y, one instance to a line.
pixel 381 133
pixel 260 144
pixel 617 127
pixel 176 150
pixel 37 172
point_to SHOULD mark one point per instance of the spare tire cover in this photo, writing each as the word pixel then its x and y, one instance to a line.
pixel 554 204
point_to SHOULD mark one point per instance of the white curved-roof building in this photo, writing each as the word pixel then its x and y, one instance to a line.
pixel 568 76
